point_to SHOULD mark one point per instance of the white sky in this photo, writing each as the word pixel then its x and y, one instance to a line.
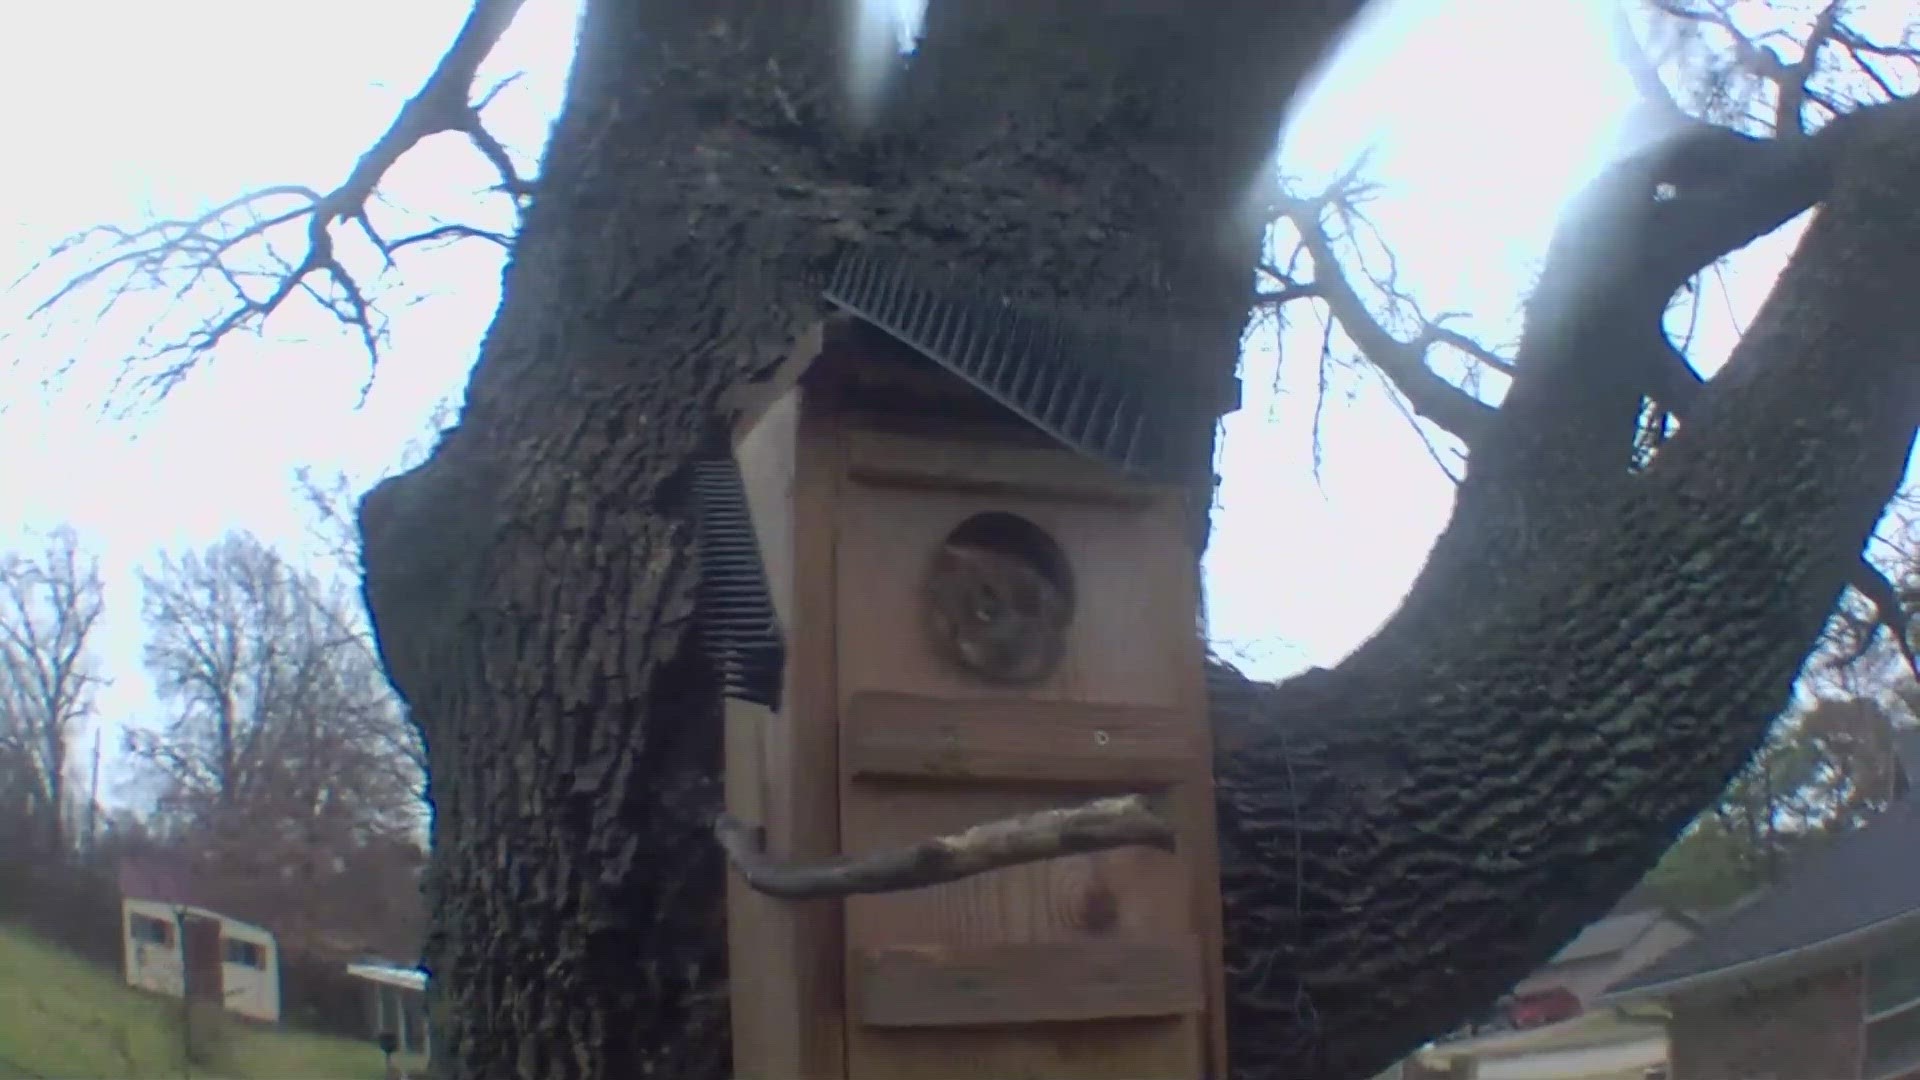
pixel 1487 115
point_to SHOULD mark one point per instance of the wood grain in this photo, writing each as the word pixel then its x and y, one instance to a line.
pixel 894 734
pixel 1037 983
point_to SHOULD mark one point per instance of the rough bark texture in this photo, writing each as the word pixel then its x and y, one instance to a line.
pixel 530 583
pixel 1583 664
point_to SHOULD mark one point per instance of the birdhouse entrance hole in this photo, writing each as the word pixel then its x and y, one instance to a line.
pixel 999 598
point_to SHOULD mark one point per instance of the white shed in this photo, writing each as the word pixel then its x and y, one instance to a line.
pixel 178 948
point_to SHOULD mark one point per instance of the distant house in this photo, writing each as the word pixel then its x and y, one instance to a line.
pixel 176 943
pixel 1547 1029
pixel 396 1004
pixel 1819 976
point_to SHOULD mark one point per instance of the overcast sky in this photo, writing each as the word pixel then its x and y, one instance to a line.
pixel 1486 116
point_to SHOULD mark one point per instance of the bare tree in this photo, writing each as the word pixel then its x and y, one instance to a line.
pixel 50 602
pixel 285 741
pixel 1599 640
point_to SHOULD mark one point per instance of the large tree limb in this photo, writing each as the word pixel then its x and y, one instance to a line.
pixel 1099 825
pixel 1544 723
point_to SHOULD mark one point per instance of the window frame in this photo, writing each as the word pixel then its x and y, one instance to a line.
pixel 135 920
pixel 256 952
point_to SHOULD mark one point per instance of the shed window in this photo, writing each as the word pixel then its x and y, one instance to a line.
pixel 244 953
pixel 148 930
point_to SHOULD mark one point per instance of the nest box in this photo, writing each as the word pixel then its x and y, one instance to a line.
pixel 947 578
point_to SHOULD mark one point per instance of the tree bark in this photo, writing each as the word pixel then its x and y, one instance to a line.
pixel 530 583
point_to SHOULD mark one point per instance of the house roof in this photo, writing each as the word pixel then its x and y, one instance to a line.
pixel 390 975
pixel 1854 887
pixel 1611 934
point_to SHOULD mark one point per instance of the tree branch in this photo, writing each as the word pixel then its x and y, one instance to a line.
pixel 181 256
pixel 1099 825
pixel 1404 363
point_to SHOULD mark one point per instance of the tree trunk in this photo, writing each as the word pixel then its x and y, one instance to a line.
pixel 1584 662
pixel 530 583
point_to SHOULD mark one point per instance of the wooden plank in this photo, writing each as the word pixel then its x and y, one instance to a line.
pixel 890 734
pixel 768 474
pixel 1195 810
pixel 789 959
pixel 888 460
pixel 1027 983
pixel 751 933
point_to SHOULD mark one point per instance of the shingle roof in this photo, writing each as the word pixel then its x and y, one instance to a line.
pixel 1855 882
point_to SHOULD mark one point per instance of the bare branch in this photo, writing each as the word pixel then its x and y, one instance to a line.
pixel 180 257
pixel 1437 334
pixel 1789 109
pixel 1643 69
pixel 1099 825
pixel 1404 363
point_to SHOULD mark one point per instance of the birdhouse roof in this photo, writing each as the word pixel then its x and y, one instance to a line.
pixel 1111 383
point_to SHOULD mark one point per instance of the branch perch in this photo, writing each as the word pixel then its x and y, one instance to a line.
pixel 1098 825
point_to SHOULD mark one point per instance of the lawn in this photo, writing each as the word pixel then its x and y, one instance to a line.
pixel 62 1018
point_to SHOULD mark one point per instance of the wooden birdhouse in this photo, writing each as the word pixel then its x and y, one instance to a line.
pixel 948 579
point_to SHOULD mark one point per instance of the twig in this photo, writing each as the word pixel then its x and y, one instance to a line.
pixel 1099 825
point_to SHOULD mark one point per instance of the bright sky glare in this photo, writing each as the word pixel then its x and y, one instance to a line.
pixel 1486 116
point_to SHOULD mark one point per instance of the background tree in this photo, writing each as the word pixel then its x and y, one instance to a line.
pixel 50 601
pixel 1602 634
pixel 286 754
pixel 1825 770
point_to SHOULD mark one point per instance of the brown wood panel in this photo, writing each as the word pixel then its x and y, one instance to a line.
pixel 882 458
pixel 899 735
pixel 1130 653
pixel 753 930
pixel 928 750
pixel 1134 626
pixel 1133 895
pixel 1011 984
pixel 768 473
pixel 788 959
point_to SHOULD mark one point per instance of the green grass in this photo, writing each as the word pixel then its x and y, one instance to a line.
pixel 62 1018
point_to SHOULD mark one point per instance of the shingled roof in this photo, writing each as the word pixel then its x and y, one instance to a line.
pixel 1854 890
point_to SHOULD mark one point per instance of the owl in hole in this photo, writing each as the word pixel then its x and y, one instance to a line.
pixel 995 613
